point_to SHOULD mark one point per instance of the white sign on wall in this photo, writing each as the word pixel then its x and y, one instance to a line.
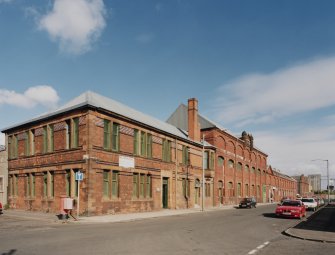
pixel 126 162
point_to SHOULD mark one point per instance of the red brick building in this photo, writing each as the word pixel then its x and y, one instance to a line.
pixel 303 188
pixel 241 169
pixel 131 162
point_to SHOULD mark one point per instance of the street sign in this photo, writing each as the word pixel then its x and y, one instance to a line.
pixel 79 176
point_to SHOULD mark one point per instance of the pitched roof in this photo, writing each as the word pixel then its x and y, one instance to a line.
pixel 95 100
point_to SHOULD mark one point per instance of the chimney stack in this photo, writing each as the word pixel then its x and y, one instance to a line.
pixel 193 124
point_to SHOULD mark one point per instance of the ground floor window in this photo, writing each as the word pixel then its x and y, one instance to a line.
pixel 110 184
pixel 142 186
pixel 48 184
pixel 71 184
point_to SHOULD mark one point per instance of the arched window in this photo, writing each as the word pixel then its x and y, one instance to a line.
pixel 231 163
pixel 239 166
pixel 246 168
pixel 220 161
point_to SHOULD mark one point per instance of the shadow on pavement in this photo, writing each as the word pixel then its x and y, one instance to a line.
pixel 11 252
pixel 321 220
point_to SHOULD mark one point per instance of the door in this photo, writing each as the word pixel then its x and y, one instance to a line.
pixel 165 192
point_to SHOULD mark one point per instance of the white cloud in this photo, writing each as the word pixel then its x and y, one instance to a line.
pixel 43 95
pixel 262 98
pixel 75 24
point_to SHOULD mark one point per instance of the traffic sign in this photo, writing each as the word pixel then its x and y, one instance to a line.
pixel 79 176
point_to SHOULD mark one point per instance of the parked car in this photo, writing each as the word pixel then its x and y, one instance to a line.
pixel 248 202
pixel 1 209
pixel 310 203
pixel 291 208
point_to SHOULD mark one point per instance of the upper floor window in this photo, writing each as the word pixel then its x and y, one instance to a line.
pixel 72 133
pixel 13 147
pixel 30 143
pixel 246 168
pixel 48 138
pixel 185 155
pixel 231 163
pixel 111 135
pixel 239 166
pixel 166 150
pixel 142 143
pixel 220 161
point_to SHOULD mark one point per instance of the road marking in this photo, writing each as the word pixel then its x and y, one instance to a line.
pixel 258 248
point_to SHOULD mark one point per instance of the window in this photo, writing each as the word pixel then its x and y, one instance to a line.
pixel 149 187
pixel 253 169
pixel 116 137
pixel 12 147
pixel 115 184
pixel 239 166
pixel 246 192
pixel 106 183
pixel 67 134
pixel 259 171
pixel 27 144
pixel 220 161
pixel 206 165
pixel 30 185
pixel 70 183
pixel 75 130
pixel 110 184
pixel 142 185
pixel 231 163
pixel 13 185
pixel 166 152
pixel 185 155
pixel 142 144
pixel 186 187
pixel 48 184
pixel 246 168
pixel 107 135
pixel 48 138
pixel 211 160
pixel 135 185
pixel 239 189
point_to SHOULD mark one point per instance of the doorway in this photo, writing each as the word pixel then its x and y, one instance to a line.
pixel 165 192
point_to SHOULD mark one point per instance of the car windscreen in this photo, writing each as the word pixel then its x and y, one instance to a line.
pixel 307 200
pixel 291 203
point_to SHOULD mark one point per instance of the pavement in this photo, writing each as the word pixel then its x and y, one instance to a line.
pixel 320 226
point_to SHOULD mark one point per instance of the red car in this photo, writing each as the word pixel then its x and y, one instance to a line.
pixel 292 209
pixel 0 208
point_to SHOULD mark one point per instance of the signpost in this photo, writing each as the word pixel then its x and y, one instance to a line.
pixel 79 178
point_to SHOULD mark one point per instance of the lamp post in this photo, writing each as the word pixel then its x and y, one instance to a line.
pixel 327 176
pixel 203 173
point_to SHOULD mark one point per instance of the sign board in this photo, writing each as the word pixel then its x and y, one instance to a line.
pixel 79 176
pixel 126 162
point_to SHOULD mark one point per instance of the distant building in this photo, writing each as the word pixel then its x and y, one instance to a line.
pixel 3 174
pixel 302 185
pixel 315 182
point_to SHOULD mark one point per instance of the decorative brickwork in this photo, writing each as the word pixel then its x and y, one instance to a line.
pixel 126 130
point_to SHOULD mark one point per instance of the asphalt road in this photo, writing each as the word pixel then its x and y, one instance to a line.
pixel 236 231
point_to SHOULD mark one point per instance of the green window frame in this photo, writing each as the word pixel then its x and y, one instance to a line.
pixel 10 147
pixel 106 183
pixel 149 145
pixel 206 160
pixel 116 137
pixel 45 139
pixel 186 187
pixel 142 177
pixel 185 155
pixel 136 147
pixel 239 166
pixel 68 183
pixel 52 184
pixel 143 143
pixel 27 144
pixel 75 138
pixel 107 134
pixel 115 184
pixel 149 187
pixel 51 137
pixel 135 185
pixel 166 150
pixel 27 185
pixel 45 184
pixel 211 160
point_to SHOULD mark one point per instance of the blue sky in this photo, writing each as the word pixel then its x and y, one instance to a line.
pixel 267 67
